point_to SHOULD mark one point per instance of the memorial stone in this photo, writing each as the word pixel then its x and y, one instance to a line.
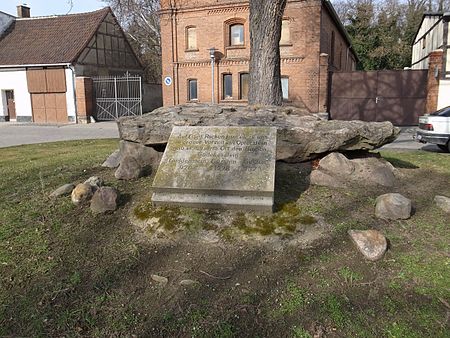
pixel 218 167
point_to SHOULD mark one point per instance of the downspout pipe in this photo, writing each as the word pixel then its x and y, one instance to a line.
pixel 72 68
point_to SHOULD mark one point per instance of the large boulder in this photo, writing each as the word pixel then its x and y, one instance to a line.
pixel 145 156
pixel 133 159
pixel 113 160
pixel 301 136
pixel 335 171
pixel 129 169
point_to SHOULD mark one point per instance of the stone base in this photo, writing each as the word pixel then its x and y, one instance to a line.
pixel 201 200
pixel 4 118
pixel 24 119
pixel 71 119
pixel 83 119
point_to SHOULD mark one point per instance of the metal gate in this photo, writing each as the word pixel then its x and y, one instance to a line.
pixel 117 96
pixel 396 96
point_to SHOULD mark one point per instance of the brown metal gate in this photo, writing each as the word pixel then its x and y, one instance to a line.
pixel 396 96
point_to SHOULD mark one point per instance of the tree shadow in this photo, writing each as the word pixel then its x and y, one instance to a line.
pixel 397 163
pixel 291 180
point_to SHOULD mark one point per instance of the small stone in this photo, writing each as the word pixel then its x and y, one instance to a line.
pixel 82 193
pixel 104 199
pixel 160 279
pixel 63 190
pixel 129 169
pixel 371 243
pixel 188 282
pixel 443 202
pixel 113 160
pixel 95 182
pixel 393 206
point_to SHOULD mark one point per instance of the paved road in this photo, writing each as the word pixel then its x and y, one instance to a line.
pixel 13 134
pixel 405 141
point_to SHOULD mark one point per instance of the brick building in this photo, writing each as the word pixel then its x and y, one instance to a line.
pixel 313 42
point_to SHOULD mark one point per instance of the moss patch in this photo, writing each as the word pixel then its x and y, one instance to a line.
pixel 285 221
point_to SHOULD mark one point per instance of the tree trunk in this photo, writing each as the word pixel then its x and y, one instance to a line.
pixel 265 34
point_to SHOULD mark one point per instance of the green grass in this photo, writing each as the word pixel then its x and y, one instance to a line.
pixel 67 272
pixel 349 275
pixel 294 299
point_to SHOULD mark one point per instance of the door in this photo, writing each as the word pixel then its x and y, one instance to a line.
pixel 396 96
pixel 11 104
pixel 49 108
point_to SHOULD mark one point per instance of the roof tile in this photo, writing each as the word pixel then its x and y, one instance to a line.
pixel 49 40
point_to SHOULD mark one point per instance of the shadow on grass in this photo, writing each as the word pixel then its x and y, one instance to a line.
pixel 397 163
pixel 291 180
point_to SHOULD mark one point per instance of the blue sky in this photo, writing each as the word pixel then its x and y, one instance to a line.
pixel 51 7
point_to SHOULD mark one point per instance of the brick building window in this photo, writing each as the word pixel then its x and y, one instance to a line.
pixel 227 86
pixel 192 90
pixel 285 87
pixel 191 38
pixel 285 33
pixel 237 34
pixel 244 79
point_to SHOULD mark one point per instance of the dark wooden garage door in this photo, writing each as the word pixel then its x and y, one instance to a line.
pixel 396 96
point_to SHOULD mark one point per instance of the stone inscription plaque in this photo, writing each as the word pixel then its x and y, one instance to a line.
pixel 218 167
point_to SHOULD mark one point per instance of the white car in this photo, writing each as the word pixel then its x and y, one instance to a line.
pixel 435 128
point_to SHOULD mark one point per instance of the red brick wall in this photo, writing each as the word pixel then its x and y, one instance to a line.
pixel 435 60
pixel 300 59
pixel 343 58
pixel 84 94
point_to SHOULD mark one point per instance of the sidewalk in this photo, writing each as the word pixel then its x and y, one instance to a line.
pixel 13 134
pixel 405 141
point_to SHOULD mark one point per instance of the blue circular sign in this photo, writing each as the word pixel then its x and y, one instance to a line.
pixel 167 80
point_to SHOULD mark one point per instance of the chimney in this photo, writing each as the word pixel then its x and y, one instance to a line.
pixel 23 11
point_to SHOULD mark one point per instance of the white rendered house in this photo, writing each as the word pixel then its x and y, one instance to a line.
pixel 45 62
pixel 431 51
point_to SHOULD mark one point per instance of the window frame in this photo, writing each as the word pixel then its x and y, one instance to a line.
pixel 240 85
pixel 289 41
pixel 224 97
pixel 187 49
pixel 230 37
pixel 281 82
pixel 189 98
pixel 227 33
